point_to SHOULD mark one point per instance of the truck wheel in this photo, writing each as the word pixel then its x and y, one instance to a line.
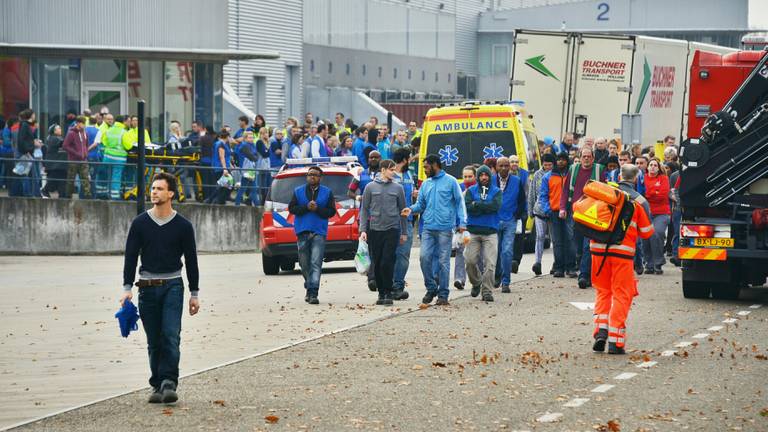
pixel 270 264
pixel 287 265
pixel 725 291
pixel 695 289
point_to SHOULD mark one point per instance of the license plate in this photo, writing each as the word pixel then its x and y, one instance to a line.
pixel 714 242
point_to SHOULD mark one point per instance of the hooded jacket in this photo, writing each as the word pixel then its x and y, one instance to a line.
pixel 441 203
pixel 381 206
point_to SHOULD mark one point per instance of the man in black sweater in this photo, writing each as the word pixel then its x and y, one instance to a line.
pixel 162 236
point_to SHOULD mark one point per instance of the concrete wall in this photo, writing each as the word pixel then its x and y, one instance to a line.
pixel 36 226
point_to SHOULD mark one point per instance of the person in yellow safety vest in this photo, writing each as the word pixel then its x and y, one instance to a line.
pixel 130 140
pixel 413 131
pixel 115 154
pixel 340 125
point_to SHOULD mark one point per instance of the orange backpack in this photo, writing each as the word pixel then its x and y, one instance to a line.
pixel 603 213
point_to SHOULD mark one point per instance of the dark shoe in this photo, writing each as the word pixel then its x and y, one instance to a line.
pixel 600 338
pixel 372 285
pixel 475 291
pixel 675 261
pixel 658 271
pixel 497 282
pixel 552 271
pixel 156 396
pixel 505 289
pixel 442 302
pixel 306 298
pixel 487 297
pixel 399 295
pixel 571 274
pixel 613 349
pixel 584 283
pixel 168 392
pixel 45 194
pixel 536 269
pixel 379 302
pixel 313 300
pixel 649 271
pixel 558 274
pixel 639 270
pixel 515 266
pixel 428 297
pixel 459 285
pixel 386 301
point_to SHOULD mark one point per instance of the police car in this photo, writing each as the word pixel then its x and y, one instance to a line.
pixel 277 237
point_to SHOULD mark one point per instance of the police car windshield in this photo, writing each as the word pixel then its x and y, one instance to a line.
pixel 282 188
pixel 457 150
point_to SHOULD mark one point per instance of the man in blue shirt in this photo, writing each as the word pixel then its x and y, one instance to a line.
pixel 403 253
pixel 513 207
pixel 442 204
pixel 312 205
pixel 244 122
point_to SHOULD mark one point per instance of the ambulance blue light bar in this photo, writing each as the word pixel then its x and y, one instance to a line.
pixel 321 160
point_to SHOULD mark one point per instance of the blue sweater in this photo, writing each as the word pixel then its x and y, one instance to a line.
pixel 441 201
pixel 513 202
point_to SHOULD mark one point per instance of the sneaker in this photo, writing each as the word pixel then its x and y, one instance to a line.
pixel 306 298
pixel 372 285
pixel 613 349
pixel 584 283
pixel 475 291
pixel 313 300
pixel 558 274
pixel 600 338
pixel 505 289
pixel 487 297
pixel 168 392
pixel 536 269
pixel 515 266
pixel 552 271
pixel 459 285
pixel 658 271
pixel 156 396
pixel 571 274
pixel 379 301
pixel 45 194
pixel 400 295
pixel 442 302
pixel 649 270
pixel 428 297
pixel 386 301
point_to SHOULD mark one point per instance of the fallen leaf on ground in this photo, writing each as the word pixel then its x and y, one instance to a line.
pixel 272 419
pixel 219 402
pixel 417 367
pixel 438 364
pixel 167 411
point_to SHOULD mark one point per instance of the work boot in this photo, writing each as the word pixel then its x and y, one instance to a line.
pixel 536 269
pixel 156 396
pixel 584 283
pixel 386 300
pixel 487 297
pixel 399 294
pixel 475 291
pixel 372 285
pixel 558 274
pixel 168 392
pixel 505 289
pixel 515 266
pixel 613 349
pixel 313 300
pixel 428 297
pixel 600 338
pixel 442 302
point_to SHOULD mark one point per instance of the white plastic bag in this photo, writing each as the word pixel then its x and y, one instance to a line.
pixel 460 239
pixel 362 258
pixel 519 229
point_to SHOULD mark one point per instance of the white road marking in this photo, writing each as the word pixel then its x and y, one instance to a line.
pixel 647 365
pixel 550 417
pixel 584 305
pixel 602 388
pixel 743 313
pixel 715 328
pixel 668 353
pixel 625 376
pixel 731 320
pixel 700 336
pixel 576 402
pixel 683 344
pixel 756 306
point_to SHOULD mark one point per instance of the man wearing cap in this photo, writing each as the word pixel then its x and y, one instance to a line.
pixel 483 201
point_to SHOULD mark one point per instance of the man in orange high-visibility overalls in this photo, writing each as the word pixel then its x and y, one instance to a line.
pixel 614 279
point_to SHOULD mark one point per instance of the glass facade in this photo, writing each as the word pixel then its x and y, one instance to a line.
pixel 209 94
pixel 179 87
pixel 14 86
pixel 55 90
pixel 145 81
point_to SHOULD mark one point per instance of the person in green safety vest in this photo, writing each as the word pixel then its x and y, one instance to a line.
pixel 115 154
pixel 130 139
pixel 340 125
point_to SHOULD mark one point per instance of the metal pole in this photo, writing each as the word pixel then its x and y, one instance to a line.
pixel 389 121
pixel 140 187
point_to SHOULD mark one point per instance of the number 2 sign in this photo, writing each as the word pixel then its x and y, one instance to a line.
pixel 603 9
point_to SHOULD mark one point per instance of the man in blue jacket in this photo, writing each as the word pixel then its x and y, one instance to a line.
pixel 513 207
pixel 442 204
pixel 483 201
pixel 312 205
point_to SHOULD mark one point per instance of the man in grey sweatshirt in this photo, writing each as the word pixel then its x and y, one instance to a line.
pixel 382 226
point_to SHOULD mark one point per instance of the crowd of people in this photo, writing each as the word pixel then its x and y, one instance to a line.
pixel 90 153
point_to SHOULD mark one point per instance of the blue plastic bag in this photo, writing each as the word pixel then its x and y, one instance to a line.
pixel 128 318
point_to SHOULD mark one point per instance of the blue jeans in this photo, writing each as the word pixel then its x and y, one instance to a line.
pixel 251 197
pixel 562 244
pixel 436 244
pixel 116 167
pixel 160 308
pixel 311 252
pixel 583 255
pixel 506 250
pixel 676 216
pixel 402 260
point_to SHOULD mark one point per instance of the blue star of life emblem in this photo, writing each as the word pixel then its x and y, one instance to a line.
pixel 493 151
pixel 449 155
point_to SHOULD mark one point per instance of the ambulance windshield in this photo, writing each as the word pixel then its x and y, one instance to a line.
pixel 459 149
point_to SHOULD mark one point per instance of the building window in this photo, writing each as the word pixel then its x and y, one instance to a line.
pixel 409 74
pixel 437 77
pixel 380 71
pixel 394 73
pixel 330 67
pixel 364 69
pixel 311 65
pixel 423 75
pixel 348 69
pixel 51 100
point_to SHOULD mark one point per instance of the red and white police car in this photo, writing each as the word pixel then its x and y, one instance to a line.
pixel 277 238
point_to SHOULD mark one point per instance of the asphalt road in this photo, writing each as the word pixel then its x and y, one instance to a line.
pixel 520 363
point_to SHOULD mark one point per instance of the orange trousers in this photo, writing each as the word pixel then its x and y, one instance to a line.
pixel 615 287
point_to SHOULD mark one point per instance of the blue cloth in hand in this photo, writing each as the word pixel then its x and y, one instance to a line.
pixel 128 317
